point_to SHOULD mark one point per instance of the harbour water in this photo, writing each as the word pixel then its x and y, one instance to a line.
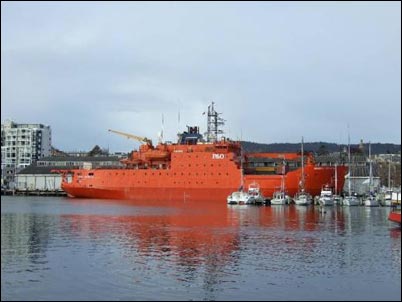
pixel 56 248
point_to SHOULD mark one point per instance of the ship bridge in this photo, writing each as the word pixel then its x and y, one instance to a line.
pixel 190 137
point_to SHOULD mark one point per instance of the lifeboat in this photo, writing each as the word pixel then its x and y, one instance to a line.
pixel 133 159
pixel 153 155
pixel 130 162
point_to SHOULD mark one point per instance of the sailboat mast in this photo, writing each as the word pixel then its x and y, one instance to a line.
pixel 283 175
pixel 350 167
pixel 241 168
pixel 371 170
pixel 336 179
pixel 389 174
pixel 302 162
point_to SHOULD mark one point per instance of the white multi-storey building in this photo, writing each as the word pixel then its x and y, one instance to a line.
pixel 21 145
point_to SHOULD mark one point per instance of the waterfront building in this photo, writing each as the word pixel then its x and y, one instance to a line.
pixel 359 168
pixel 39 177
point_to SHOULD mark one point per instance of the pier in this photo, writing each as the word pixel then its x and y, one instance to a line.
pixel 12 192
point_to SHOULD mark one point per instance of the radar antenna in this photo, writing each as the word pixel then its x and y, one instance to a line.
pixel 214 121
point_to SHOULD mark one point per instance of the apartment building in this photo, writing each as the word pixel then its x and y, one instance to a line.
pixel 21 145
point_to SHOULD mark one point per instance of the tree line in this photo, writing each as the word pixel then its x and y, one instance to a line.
pixel 322 147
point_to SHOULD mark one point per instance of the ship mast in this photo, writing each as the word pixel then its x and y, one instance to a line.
pixel 214 121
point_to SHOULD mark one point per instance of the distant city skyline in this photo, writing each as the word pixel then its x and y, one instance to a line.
pixel 276 70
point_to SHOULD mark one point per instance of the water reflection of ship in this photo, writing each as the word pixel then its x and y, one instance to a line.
pixel 191 236
pixel 206 240
pixel 193 240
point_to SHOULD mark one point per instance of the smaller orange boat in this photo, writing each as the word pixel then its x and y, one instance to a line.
pixel 395 216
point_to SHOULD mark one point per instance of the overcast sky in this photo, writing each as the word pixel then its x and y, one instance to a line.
pixel 276 70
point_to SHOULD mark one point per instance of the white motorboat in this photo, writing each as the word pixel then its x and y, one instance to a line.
pixel 326 197
pixel 238 197
pixel 303 198
pixel 255 194
pixel 371 201
pixel 252 196
pixel 351 200
pixel 279 198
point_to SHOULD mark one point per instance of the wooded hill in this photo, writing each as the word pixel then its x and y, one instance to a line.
pixel 322 147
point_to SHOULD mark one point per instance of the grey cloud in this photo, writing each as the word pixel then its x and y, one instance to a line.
pixel 270 67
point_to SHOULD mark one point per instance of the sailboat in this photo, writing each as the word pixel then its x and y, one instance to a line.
pixel 239 196
pixel 337 198
pixel 279 197
pixel 387 199
pixel 350 200
pixel 371 200
pixel 252 196
pixel 302 197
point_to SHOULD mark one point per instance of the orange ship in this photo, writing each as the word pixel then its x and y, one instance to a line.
pixel 195 169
